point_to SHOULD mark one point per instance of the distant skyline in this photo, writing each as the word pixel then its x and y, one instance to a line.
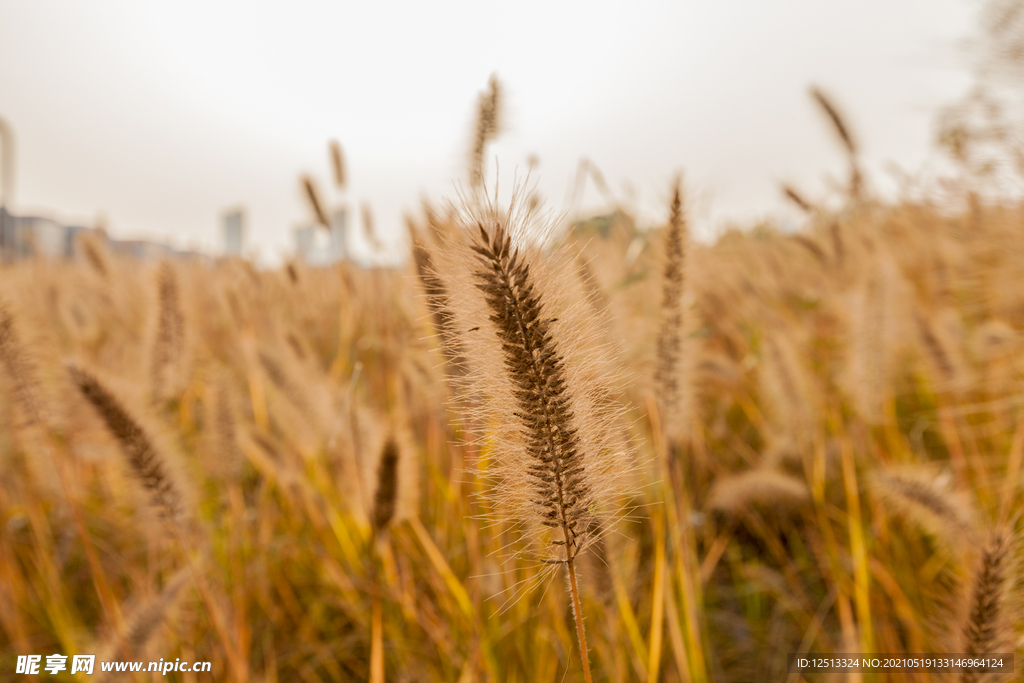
pixel 162 117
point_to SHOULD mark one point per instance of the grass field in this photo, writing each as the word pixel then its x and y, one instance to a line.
pixel 703 457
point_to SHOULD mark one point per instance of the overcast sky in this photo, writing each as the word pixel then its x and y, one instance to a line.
pixel 159 116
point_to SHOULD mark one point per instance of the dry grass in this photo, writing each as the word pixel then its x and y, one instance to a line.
pixel 324 514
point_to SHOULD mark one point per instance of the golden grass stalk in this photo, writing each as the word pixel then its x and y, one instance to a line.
pixel 381 514
pixel 488 125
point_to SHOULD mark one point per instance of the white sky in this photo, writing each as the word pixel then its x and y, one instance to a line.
pixel 160 116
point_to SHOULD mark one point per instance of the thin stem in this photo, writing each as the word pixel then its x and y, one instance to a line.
pixel 376 640
pixel 577 610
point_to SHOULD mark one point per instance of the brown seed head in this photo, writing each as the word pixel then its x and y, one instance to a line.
pixel 145 462
pixel 315 205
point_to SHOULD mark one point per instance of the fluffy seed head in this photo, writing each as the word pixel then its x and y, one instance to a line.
pixel 553 459
pixel 985 629
pixel 16 366
pixel 760 488
pixel 926 497
pixel 669 373
pixel 169 343
pixel 145 462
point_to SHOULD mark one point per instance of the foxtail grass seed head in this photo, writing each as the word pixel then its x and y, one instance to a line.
pixel 145 462
pixel 556 466
pixel 926 497
pixel 369 228
pixel 794 196
pixel 987 626
pixel 842 130
pixel 668 374
pixel 763 489
pixel 169 341
pixel 338 165
pixel 19 372
pixel 386 493
pixel 439 305
pixel 94 253
pixel 315 205
pixel 488 125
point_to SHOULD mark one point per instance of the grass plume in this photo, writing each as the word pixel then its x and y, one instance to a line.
pixel 337 165
pixel 670 334
pixel 386 494
pixel 145 462
pixel 488 125
pixel 439 305
pixel 550 478
pixel 986 627
pixel 169 341
pixel 843 132
pixel 315 204
pixel 18 370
